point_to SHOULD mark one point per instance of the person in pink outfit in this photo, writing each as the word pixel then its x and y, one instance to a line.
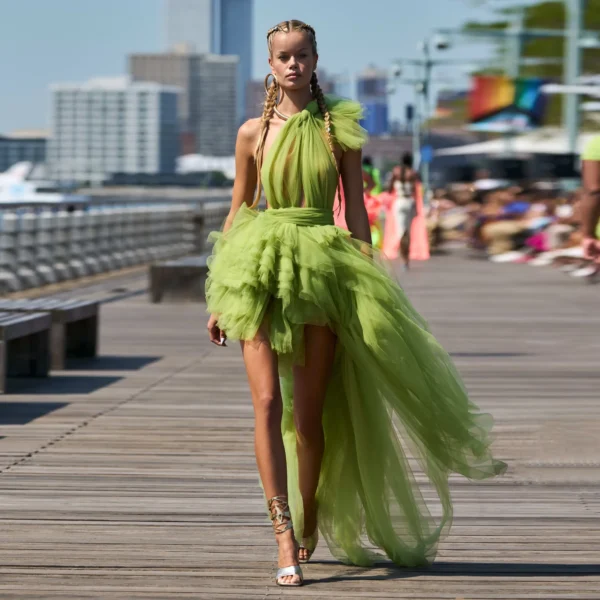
pixel 404 204
pixel 374 207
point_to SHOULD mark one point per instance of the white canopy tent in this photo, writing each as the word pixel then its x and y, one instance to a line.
pixel 541 141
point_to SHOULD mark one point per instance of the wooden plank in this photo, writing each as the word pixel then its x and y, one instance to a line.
pixel 146 487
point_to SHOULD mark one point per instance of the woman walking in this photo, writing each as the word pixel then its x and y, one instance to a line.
pixel 344 374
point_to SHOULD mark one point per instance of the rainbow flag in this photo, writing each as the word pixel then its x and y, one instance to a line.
pixel 501 104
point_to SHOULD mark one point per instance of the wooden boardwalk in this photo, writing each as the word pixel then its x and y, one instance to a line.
pixel 133 476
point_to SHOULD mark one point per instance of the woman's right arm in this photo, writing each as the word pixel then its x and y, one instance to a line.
pixel 244 185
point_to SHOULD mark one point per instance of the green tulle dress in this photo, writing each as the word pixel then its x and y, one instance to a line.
pixel 394 395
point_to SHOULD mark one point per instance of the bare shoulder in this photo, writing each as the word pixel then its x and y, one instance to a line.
pixel 249 131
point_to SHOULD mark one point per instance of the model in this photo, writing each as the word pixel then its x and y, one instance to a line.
pixel 346 379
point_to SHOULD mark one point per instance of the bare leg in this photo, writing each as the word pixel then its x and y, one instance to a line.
pixel 405 249
pixel 310 386
pixel 261 367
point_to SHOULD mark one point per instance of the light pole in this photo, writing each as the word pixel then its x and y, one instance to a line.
pixel 422 88
pixel 575 11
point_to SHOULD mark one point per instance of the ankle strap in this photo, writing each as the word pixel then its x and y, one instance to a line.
pixel 280 514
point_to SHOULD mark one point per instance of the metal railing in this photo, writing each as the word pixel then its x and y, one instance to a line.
pixel 43 244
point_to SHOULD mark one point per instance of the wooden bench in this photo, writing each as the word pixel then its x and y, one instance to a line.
pixel 74 326
pixel 24 344
pixel 181 279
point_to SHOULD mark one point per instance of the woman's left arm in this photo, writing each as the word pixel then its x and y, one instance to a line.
pixel 352 180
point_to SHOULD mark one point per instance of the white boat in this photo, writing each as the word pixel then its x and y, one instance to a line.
pixel 16 187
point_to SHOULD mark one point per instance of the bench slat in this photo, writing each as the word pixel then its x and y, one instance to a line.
pixel 15 325
pixel 66 310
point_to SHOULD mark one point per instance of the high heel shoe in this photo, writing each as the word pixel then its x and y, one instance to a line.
pixel 309 544
pixel 282 522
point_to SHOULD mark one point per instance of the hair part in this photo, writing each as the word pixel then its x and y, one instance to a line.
pixel 287 27
pixel 271 100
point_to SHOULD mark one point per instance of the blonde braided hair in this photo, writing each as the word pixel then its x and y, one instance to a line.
pixel 272 96
pixel 272 93
pixel 318 95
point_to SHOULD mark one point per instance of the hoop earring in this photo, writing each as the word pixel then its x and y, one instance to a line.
pixel 267 86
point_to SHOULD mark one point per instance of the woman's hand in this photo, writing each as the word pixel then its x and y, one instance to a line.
pixel 217 336
pixel 591 249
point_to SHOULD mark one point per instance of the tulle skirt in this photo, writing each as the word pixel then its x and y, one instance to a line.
pixel 394 394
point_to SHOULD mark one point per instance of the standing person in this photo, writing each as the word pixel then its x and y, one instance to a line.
pixel 590 207
pixel 372 189
pixel 314 310
pixel 403 185
pixel 371 177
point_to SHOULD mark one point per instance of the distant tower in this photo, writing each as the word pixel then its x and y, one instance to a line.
pixel 372 94
pixel 208 99
pixel 218 27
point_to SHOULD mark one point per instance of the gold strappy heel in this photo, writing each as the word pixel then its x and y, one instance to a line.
pixel 282 522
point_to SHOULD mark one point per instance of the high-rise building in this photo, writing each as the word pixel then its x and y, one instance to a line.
pixel 190 22
pixel 255 97
pixel 108 126
pixel 216 122
pixel 221 27
pixel 372 94
pixel 20 146
pixel 207 105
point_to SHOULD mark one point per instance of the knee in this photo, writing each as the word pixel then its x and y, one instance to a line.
pixel 268 409
pixel 309 429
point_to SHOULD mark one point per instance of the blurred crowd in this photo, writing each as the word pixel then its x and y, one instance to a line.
pixel 537 223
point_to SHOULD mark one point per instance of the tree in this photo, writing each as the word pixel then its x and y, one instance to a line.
pixel 546 15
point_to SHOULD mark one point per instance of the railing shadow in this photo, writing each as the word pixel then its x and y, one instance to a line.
pixel 111 363
pixel 489 354
pixel 61 385
pixel 456 569
pixel 21 413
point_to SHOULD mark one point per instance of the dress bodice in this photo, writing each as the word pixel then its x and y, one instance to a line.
pixel 404 189
pixel 299 168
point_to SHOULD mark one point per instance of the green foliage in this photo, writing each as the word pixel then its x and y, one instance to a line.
pixel 546 15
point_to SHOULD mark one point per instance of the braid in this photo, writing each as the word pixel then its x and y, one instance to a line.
pixel 318 95
pixel 268 111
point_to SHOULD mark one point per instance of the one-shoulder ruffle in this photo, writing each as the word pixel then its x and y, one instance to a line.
pixel 345 123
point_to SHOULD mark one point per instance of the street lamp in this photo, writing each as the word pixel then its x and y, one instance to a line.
pixel 421 85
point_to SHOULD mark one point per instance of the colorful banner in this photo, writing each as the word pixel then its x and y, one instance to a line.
pixel 501 104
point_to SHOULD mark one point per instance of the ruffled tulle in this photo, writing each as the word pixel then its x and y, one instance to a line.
pixel 394 391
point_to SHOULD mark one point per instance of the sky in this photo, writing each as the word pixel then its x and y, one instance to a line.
pixel 51 41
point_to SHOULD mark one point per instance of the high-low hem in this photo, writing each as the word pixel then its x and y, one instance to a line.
pixel 395 401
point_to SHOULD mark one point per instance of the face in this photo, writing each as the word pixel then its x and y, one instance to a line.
pixel 292 60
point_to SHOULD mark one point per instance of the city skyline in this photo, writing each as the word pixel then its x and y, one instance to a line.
pixel 75 51
pixel 222 27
